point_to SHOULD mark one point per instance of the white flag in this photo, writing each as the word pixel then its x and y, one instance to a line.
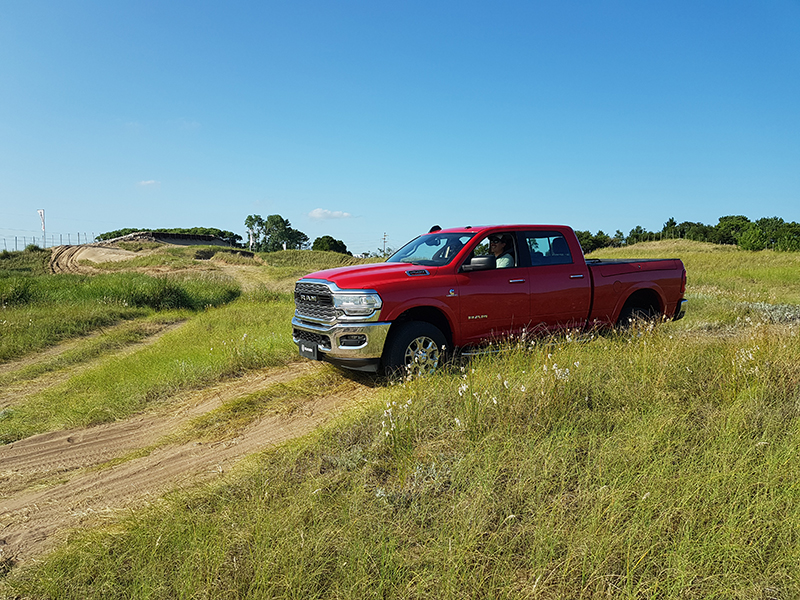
pixel 41 216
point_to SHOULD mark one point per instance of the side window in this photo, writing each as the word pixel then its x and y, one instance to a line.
pixel 548 248
pixel 503 246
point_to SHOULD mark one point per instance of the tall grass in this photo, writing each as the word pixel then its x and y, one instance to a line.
pixel 658 463
pixel 31 261
pixel 249 333
pixel 655 464
pixel 736 274
pixel 107 341
pixel 308 260
pixel 285 267
pixel 36 312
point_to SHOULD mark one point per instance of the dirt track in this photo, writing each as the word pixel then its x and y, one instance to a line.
pixel 66 259
pixel 77 493
pixel 54 482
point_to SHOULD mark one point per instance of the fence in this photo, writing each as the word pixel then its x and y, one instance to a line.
pixel 20 242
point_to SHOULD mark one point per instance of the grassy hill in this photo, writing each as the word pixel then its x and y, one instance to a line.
pixel 658 463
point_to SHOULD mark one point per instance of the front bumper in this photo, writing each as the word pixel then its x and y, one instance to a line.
pixel 356 346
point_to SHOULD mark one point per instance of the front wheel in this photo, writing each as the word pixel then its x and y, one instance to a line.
pixel 415 348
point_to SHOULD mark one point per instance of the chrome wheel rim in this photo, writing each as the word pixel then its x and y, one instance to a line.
pixel 422 356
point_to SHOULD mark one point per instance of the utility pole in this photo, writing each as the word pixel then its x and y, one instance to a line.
pixel 384 244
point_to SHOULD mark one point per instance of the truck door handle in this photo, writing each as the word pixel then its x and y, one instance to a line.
pixel 576 276
pixel 516 281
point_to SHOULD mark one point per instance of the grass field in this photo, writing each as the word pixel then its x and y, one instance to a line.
pixel 658 463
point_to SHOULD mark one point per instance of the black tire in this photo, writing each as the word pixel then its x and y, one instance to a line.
pixel 415 348
pixel 632 316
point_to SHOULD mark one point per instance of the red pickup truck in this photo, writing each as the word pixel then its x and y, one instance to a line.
pixel 447 291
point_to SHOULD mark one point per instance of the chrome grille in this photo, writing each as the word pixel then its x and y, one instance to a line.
pixel 314 301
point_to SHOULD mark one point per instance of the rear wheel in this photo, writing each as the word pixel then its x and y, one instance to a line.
pixel 415 348
pixel 631 316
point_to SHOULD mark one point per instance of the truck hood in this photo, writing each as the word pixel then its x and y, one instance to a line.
pixel 371 276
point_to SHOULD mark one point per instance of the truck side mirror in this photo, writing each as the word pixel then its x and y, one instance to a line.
pixel 480 263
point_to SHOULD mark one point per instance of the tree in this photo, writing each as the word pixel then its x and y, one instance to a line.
pixel 590 243
pixel 639 234
pixel 602 240
pixel 772 227
pixel 273 234
pixel 255 227
pixel 752 238
pixel 328 244
pixel 670 229
pixel 231 238
pixel 695 231
pixel 585 240
pixel 789 238
pixel 729 229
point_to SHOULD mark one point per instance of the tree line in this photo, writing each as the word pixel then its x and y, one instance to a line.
pixel 276 233
pixel 769 233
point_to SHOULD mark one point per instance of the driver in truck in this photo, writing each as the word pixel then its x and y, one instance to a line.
pixel 500 246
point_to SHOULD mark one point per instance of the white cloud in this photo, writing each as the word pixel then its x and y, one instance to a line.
pixel 187 124
pixel 149 183
pixel 324 213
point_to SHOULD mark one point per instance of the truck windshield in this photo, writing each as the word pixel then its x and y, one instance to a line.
pixel 431 250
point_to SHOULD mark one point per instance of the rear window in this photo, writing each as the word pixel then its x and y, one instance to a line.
pixel 548 248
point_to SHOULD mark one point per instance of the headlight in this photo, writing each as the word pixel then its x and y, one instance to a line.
pixel 358 304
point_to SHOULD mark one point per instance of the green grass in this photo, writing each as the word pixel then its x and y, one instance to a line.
pixel 659 463
pixel 308 260
pixel 173 257
pixel 31 261
pixel 138 246
pixel 252 332
pixel 726 271
pixel 106 341
pixel 285 267
pixel 37 312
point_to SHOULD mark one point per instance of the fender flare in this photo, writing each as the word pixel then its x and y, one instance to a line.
pixel 411 308
pixel 646 290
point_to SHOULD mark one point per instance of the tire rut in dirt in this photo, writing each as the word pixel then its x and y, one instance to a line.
pixel 17 391
pixel 32 519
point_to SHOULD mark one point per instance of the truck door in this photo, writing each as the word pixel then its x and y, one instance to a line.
pixel 560 286
pixel 493 303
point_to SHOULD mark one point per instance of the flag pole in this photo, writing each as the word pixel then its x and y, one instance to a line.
pixel 44 233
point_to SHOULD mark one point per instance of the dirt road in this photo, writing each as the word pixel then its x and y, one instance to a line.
pixel 51 482
pixel 54 482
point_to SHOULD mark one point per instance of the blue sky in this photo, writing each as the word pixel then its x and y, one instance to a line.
pixel 359 119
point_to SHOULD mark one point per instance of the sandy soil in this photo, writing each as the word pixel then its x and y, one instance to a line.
pixel 51 482
pixel 57 481
pixel 65 259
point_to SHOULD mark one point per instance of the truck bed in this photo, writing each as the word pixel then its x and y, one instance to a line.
pixel 617 279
